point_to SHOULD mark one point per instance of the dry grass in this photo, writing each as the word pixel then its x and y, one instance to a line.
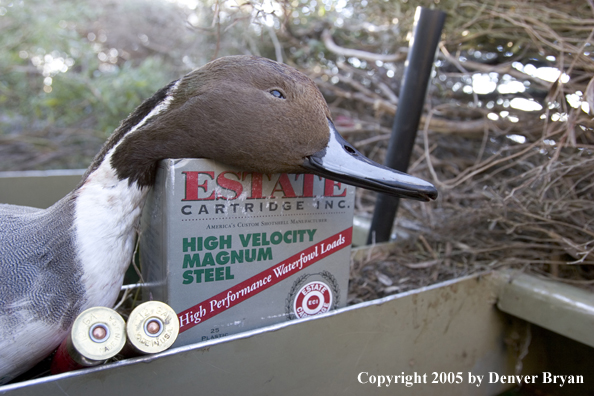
pixel 528 205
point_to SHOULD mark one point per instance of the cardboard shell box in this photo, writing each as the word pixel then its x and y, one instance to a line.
pixel 232 251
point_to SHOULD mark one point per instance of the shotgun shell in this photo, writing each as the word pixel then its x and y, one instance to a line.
pixel 97 334
pixel 152 327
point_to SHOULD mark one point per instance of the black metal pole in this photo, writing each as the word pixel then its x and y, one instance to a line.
pixel 425 38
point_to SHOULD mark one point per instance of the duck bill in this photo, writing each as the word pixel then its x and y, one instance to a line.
pixel 342 162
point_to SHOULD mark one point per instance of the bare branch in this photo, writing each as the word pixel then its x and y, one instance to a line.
pixel 332 47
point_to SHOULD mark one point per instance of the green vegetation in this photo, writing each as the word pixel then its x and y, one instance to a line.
pixel 63 87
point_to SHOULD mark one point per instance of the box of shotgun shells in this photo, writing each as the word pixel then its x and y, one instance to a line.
pixel 232 251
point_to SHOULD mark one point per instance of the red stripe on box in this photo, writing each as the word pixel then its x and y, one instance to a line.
pixel 262 281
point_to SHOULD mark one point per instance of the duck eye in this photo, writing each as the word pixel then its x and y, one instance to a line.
pixel 277 94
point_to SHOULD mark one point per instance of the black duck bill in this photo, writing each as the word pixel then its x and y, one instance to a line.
pixel 340 161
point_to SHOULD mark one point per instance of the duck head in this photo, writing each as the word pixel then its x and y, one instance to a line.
pixel 255 114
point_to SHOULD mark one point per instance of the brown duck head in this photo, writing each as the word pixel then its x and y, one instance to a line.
pixel 257 115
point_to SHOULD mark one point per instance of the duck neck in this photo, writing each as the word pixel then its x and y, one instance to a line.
pixel 107 212
pixel 108 209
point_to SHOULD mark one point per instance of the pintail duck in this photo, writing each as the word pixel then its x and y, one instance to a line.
pixel 243 111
